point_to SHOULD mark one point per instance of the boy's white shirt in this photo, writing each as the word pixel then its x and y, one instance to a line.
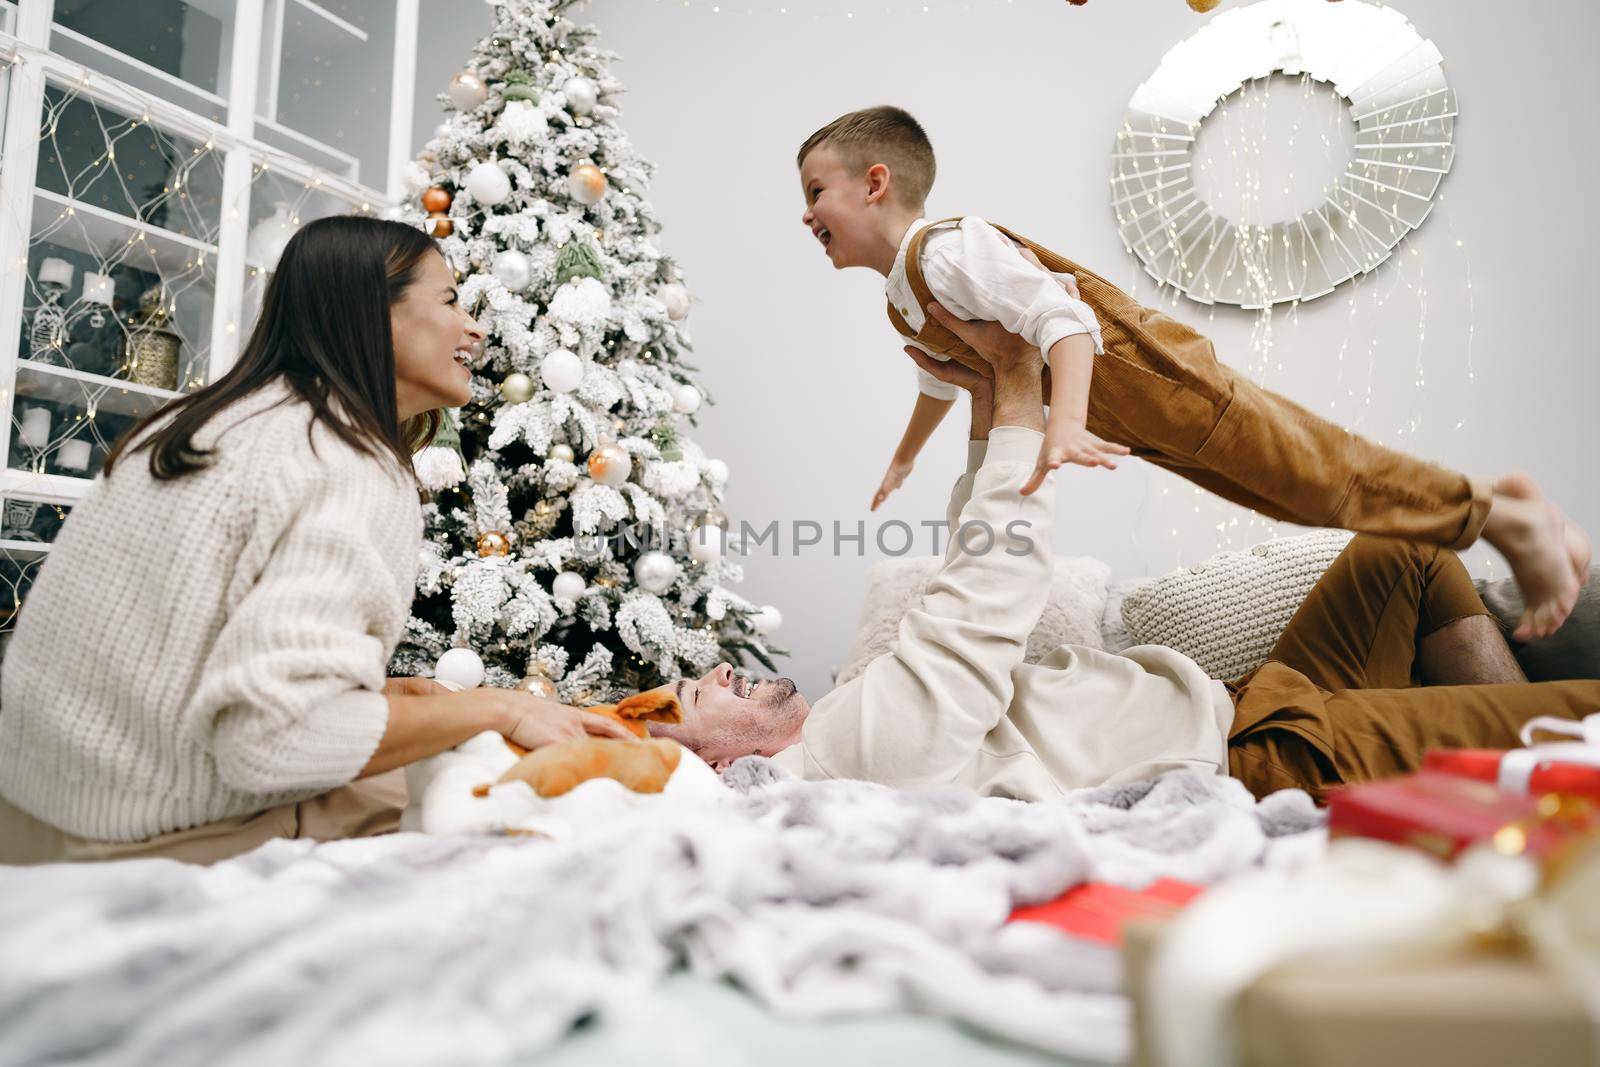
pixel 977 272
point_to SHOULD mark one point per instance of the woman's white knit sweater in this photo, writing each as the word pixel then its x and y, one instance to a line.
pixel 216 645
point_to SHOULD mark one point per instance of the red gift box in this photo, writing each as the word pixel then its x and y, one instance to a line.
pixel 1444 814
pixel 1098 911
pixel 1569 769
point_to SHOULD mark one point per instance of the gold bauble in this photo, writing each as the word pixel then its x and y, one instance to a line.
pixel 586 184
pixel 539 686
pixel 1203 6
pixel 436 199
pixel 441 224
pixel 494 543
pixel 517 388
pixel 610 464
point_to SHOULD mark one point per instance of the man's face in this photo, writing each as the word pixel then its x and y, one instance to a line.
pixel 726 716
pixel 836 206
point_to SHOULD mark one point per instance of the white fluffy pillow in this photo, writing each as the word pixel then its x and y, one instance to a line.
pixel 1071 616
pixel 1227 613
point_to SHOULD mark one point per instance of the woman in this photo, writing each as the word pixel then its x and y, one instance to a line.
pixel 200 665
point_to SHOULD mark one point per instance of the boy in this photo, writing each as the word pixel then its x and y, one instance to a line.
pixel 1158 391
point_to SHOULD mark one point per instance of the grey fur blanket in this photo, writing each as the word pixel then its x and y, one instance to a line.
pixel 816 898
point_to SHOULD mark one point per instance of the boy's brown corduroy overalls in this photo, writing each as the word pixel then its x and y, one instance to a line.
pixel 1159 389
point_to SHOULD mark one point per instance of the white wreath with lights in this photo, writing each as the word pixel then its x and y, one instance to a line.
pixel 1391 80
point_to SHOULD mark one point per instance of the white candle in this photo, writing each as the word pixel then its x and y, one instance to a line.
pixel 55 271
pixel 97 288
pixel 36 427
pixel 74 455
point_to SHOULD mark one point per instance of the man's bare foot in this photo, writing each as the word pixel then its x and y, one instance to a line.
pixel 1532 534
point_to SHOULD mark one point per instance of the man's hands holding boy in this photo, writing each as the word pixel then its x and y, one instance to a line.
pixel 1012 359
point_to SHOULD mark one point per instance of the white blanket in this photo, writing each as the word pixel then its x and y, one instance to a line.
pixel 817 898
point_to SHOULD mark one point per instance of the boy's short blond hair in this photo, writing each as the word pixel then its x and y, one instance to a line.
pixel 881 135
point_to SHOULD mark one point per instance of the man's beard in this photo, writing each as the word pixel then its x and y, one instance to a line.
pixel 776 691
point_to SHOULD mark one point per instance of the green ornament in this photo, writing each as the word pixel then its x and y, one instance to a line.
pixel 577 259
pixel 518 85
pixel 664 435
pixel 449 435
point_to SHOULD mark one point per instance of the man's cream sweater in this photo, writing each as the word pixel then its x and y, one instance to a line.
pixel 216 645
pixel 952 699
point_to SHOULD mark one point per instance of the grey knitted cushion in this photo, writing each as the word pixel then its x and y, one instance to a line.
pixel 1226 613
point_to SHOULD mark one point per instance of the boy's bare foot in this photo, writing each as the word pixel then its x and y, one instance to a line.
pixel 1578 548
pixel 1532 534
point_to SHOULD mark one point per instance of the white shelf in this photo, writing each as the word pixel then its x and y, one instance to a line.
pixel 98 232
pixel 136 73
pixel 346 28
pixel 330 156
pixel 64 385
pixel 23 550
pixel 50 488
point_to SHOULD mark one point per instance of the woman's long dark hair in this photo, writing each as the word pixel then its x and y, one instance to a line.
pixel 324 329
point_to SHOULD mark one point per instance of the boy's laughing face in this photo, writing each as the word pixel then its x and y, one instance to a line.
pixel 837 203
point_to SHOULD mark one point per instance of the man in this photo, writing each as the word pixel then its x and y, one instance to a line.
pixel 953 701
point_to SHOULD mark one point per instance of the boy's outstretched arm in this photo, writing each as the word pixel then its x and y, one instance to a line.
pixel 925 418
pixel 1066 434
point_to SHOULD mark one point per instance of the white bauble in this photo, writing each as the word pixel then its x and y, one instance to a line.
pixel 686 399
pixel 610 464
pixel 767 620
pixel 581 93
pixel 707 543
pixel 513 269
pixel 561 371
pixel 441 131
pixel 562 452
pixel 655 572
pixel 717 471
pixel 675 298
pixel 467 91
pixel 488 184
pixel 569 585
pixel 458 669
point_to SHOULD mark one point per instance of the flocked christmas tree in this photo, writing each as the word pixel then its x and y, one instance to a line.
pixel 574 539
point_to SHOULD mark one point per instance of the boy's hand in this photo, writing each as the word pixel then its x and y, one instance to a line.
pixel 1068 441
pixel 892 480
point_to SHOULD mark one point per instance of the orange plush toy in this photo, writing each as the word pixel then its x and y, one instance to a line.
pixel 634 712
pixel 643 766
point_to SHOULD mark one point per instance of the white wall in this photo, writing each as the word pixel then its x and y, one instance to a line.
pixel 1022 101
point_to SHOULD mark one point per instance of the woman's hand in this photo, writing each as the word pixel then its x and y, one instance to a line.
pixel 533 722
